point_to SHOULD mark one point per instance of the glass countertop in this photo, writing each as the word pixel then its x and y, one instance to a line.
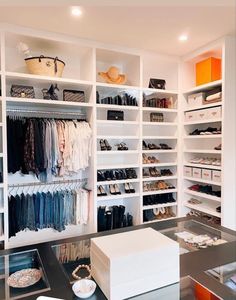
pixel 16 262
pixel 226 275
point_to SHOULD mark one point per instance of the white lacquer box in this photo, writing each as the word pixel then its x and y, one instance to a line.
pixel 130 263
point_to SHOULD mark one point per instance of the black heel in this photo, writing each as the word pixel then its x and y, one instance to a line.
pixel 108 147
pixel 102 145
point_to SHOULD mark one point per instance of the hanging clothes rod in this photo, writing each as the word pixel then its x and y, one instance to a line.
pixel 48 183
pixel 75 114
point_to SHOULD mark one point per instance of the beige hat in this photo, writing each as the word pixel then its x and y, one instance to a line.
pixel 113 76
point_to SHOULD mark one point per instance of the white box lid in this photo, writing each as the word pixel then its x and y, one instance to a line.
pixel 132 242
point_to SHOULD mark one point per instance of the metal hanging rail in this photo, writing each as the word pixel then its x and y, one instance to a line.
pixel 51 113
pixel 47 183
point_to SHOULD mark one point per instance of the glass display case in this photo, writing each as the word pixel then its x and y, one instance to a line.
pixel 21 275
pixel 192 235
pixel 226 275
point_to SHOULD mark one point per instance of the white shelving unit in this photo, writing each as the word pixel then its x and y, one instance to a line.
pixel 83 61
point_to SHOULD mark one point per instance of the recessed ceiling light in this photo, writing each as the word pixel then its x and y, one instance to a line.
pixel 183 37
pixel 76 11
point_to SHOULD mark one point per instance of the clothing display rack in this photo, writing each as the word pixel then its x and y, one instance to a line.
pixel 54 113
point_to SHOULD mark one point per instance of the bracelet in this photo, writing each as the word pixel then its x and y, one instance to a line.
pixel 81 267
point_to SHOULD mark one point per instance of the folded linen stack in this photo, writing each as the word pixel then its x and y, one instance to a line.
pixel 214 97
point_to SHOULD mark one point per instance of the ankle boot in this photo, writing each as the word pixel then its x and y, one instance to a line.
pixel 129 220
pixel 101 218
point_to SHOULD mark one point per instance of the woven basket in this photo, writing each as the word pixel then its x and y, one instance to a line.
pixel 46 66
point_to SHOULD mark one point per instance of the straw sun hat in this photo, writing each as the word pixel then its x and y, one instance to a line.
pixel 113 76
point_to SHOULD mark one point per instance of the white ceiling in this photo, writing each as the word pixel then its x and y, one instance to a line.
pixel 147 24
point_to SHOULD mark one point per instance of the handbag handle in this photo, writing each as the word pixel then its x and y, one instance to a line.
pixel 55 62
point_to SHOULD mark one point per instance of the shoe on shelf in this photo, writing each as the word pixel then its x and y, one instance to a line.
pixel 107 175
pixel 218 147
pixel 153 159
pixel 145 147
pixel 127 189
pixel 165 147
pixel 112 189
pixel 157 172
pixel 146 159
pixel 131 188
pixel 117 190
pixel 194 201
pixel 153 147
pixel 133 173
pixel 108 146
pixel 102 191
pixel 195 132
pixel 102 145
pixel 122 146
pixel 100 176
pixel 145 174
pixel 112 175
pixel 195 187
pixel 218 209
pixel 152 172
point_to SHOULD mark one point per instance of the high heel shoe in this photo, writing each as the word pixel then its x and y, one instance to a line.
pixel 102 190
pixel 145 147
pixel 127 189
pixel 117 189
pixel 102 145
pixel 100 176
pixel 107 145
pixel 131 188
pixel 122 146
pixel 112 189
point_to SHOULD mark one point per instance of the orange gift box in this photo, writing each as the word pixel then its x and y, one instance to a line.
pixel 208 70
pixel 202 293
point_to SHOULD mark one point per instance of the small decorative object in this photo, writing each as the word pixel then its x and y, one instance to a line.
pixel 73 96
pixel 84 288
pixel 113 76
pixel 50 94
pixel 115 115
pixel 24 48
pixel 24 278
pixel 86 267
pixel 45 65
pixel 157 83
pixel 156 117
pixel 22 91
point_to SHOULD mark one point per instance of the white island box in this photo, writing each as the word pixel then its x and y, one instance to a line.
pixel 130 263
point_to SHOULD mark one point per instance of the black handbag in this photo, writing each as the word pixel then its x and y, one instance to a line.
pixel 157 83
pixel 22 91
pixel 117 115
pixel 73 96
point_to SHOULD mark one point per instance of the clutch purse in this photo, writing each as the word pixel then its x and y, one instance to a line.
pixel 22 91
pixel 115 115
pixel 73 96
pixel 155 83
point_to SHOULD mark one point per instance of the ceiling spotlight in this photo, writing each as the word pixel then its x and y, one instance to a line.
pixel 183 37
pixel 76 11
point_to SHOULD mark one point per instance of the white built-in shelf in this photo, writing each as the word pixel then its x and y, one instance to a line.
pixel 2 238
pixel 146 207
pixel 117 86
pixel 158 178
pixel 207 208
pixel 203 166
pixel 203 121
pixel 120 137
pixel 191 108
pixel 119 152
pixel 156 109
pixel 159 151
pixel 204 87
pixel 119 166
pixel 158 192
pixel 207 136
pixel 160 91
pixel 168 164
pixel 30 77
pixel 202 151
pixel 159 137
pixel 203 180
pixel 119 107
pixel 160 220
pixel 26 102
pixel 203 195
pixel 117 181
pixel 160 123
pixel 113 122
pixel 115 197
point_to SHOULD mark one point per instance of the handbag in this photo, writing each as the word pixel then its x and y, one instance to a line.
pixel 155 83
pixel 22 91
pixel 73 96
pixel 117 115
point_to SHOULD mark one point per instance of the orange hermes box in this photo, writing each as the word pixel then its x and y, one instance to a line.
pixel 202 293
pixel 208 70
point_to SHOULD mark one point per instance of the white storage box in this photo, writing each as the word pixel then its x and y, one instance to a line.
pixel 197 173
pixel 190 116
pixel 196 99
pixel 206 174
pixel 130 263
pixel 188 171
pixel 201 114
pixel 214 113
pixel 216 176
